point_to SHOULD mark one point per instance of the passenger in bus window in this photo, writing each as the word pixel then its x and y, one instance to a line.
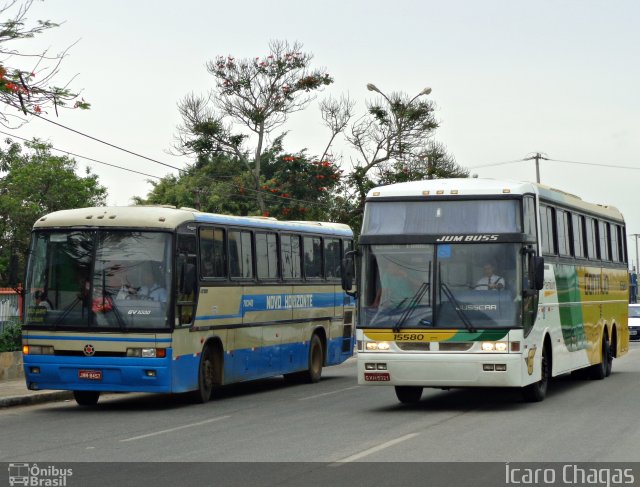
pixel 42 300
pixel 152 287
pixel 490 280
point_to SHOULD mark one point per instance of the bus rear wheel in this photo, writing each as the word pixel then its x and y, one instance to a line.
pixel 314 367
pixel 408 394
pixel 86 398
pixel 603 369
pixel 537 391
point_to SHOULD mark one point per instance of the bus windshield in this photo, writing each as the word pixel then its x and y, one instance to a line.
pixel 439 217
pixel 471 286
pixel 102 279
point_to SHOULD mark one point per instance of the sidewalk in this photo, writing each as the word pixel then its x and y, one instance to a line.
pixel 15 393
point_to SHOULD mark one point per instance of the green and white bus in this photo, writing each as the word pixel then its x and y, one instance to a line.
pixel 165 300
pixel 478 282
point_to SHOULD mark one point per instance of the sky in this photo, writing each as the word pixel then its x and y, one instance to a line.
pixel 509 78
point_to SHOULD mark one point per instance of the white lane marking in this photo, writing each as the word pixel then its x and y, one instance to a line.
pixel 327 393
pixel 375 449
pixel 175 429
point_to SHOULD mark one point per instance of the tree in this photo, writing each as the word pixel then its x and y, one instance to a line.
pixel 295 186
pixel 34 183
pixel 25 87
pixel 394 143
pixel 251 97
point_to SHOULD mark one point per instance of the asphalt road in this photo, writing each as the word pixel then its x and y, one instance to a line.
pixel 338 421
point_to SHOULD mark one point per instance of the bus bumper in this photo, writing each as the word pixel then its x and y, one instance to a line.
pixel 105 374
pixel 441 370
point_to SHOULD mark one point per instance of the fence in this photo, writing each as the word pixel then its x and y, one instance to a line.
pixel 10 305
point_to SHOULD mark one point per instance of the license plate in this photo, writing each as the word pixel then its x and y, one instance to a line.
pixel 90 374
pixel 377 377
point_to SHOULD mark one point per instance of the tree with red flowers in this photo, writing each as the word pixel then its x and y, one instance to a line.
pixel 250 99
pixel 25 84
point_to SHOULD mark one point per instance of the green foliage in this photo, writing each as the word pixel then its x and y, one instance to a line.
pixel 11 337
pixel 37 182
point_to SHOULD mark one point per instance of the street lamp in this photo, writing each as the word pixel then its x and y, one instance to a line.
pixel 398 109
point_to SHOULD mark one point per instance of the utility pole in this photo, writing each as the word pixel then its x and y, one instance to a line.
pixel 636 235
pixel 537 158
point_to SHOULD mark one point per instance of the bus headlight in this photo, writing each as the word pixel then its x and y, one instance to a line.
pixel 147 352
pixel 37 350
pixel 494 346
pixel 377 346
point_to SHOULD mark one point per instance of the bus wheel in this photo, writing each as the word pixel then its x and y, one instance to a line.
pixel 206 371
pixel 86 398
pixel 537 391
pixel 408 394
pixel 603 369
pixel 316 361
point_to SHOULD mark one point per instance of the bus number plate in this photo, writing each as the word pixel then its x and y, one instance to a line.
pixel 90 374
pixel 376 376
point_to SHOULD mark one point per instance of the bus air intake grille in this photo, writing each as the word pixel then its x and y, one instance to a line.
pixel 414 346
pixel 455 346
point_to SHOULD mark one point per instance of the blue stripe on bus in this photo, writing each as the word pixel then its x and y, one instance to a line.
pixel 273 225
pixel 97 339
pixel 281 302
pixel 128 374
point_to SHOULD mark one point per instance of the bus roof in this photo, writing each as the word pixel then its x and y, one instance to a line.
pixel 168 218
pixel 485 187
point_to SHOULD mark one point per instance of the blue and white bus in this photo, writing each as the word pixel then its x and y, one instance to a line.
pixel 166 300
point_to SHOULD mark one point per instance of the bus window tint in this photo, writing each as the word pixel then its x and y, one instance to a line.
pixel 212 258
pixel 290 256
pixel 331 258
pixel 312 257
pixel 240 254
pixel 266 256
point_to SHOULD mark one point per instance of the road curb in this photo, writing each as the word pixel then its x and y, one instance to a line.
pixel 36 398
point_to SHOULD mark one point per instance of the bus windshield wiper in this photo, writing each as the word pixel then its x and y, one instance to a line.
pixel 413 304
pixel 456 306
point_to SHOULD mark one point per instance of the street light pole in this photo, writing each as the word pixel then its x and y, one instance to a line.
pixel 397 109
pixel 636 235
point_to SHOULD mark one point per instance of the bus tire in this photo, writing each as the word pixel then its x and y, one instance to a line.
pixel 206 376
pixel 408 394
pixel 316 361
pixel 537 391
pixel 86 398
pixel 603 369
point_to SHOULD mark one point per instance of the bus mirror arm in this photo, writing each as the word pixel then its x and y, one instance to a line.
pixel 348 271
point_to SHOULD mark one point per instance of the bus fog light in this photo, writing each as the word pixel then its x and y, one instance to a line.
pixel 501 367
pixel 488 347
pixel 487 367
pixel 381 366
pixel 501 347
pixel 34 370
pixel 370 366
pixel 150 373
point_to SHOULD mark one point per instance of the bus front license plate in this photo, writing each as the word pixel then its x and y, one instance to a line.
pixel 376 376
pixel 90 374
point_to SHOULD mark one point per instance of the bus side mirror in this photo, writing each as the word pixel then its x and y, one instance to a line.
pixel 347 272
pixel 538 272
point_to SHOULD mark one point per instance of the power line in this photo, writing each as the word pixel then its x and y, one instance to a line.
pixel 85 157
pixel 614 166
pixel 106 143
pixel 495 164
